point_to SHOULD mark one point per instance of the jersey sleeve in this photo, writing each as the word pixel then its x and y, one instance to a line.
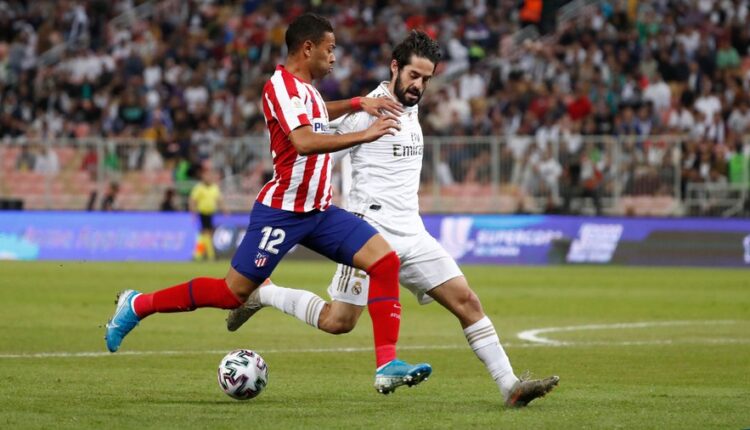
pixel 351 123
pixel 354 122
pixel 286 104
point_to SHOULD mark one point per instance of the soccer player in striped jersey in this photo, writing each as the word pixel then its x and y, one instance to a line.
pixel 294 207
pixel 384 192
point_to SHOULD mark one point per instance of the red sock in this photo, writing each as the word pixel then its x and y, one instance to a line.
pixel 198 293
pixel 384 307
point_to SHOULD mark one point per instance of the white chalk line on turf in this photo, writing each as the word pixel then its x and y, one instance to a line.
pixel 534 343
pixel 535 337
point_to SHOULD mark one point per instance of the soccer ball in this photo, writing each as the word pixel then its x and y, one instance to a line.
pixel 243 374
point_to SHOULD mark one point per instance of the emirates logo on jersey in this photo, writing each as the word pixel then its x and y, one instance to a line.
pixel 407 150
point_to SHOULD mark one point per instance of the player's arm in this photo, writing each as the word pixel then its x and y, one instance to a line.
pixel 307 142
pixel 374 106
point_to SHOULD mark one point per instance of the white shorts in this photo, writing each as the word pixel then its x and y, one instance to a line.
pixel 424 266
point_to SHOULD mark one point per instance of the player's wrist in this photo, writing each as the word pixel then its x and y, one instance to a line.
pixel 356 103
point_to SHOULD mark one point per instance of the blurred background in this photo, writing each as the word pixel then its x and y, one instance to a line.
pixel 585 107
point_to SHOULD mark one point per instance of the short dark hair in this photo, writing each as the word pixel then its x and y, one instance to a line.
pixel 308 26
pixel 420 44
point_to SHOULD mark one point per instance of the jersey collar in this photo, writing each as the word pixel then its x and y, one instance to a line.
pixel 284 71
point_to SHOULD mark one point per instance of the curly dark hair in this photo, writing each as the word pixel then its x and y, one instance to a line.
pixel 417 43
pixel 308 26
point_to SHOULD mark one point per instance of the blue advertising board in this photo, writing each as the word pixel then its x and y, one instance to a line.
pixel 470 239
pixel 111 236
pixel 541 239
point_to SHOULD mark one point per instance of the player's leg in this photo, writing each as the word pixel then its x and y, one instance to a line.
pixel 430 273
pixel 269 237
pixel 335 317
pixel 456 296
pixel 349 240
pixel 133 306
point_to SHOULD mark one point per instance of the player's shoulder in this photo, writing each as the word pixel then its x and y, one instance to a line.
pixel 356 121
pixel 379 91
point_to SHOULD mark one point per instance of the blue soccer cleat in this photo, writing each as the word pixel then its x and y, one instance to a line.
pixel 123 320
pixel 397 373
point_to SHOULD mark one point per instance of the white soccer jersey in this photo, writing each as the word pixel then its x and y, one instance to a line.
pixel 385 173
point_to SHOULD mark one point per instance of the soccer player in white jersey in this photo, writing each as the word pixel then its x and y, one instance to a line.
pixel 384 190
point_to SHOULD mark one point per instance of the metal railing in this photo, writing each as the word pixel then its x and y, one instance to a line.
pixel 496 174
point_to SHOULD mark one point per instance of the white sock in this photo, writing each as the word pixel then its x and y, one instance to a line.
pixel 302 304
pixel 483 339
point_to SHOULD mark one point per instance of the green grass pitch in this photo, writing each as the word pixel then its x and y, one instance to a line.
pixel 690 371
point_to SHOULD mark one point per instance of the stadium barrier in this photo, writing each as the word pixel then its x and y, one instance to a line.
pixel 567 173
pixel 470 239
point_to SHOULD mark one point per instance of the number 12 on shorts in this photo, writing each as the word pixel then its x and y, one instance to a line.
pixel 276 236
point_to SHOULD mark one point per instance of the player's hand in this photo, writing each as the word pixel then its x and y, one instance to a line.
pixel 378 106
pixel 387 124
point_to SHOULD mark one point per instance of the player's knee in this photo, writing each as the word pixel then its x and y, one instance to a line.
pixel 241 290
pixel 472 301
pixel 340 326
pixel 469 304
pixel 389 264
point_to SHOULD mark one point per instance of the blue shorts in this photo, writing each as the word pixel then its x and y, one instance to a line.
pixel 334 233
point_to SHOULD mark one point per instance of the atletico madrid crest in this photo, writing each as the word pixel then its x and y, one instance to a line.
pixel 260 260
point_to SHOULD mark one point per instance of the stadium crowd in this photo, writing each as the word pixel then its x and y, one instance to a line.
pixel 187 75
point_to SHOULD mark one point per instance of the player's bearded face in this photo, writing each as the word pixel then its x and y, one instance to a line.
pixel 407 95
pixel 411 81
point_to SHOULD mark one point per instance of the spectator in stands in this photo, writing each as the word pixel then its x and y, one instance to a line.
pixel 90 162
pixel 727 56
pixel 151 159
pixel 26 159
pixel 584 180
pixel 715 130
pixel 109 200
pixel 658 93
pixel 739 119
pixel 549 172
pixel 167 202
pixel 47 162
pixel 680 118
pixel 187 63
pixel 707 103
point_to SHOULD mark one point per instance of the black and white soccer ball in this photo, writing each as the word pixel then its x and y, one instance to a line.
pixel 243 374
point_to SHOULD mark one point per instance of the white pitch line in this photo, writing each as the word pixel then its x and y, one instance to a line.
pixel 534 334
pixel 94 354
pixel 98 354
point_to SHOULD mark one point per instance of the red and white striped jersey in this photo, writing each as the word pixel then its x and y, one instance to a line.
pixel 300 183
